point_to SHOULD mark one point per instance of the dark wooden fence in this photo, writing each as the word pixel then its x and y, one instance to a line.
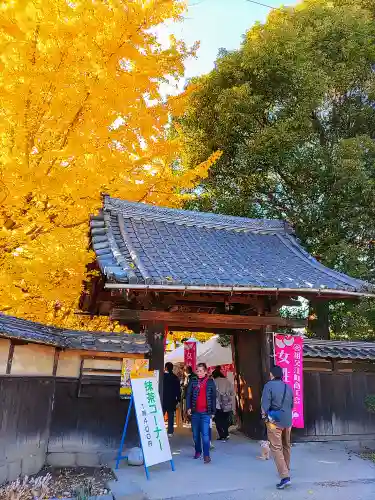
pixel 43 419
pixel 87 430
pixel 335 405
pixel 25 415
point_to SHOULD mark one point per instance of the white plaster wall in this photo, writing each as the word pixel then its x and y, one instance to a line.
pixel 4 352
pixel 104 363
pixel 32 359
pixel 68 365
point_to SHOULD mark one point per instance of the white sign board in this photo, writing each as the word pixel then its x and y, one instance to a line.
pixel 150 419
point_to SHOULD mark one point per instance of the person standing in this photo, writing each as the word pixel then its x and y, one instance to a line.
pixel 201 405
pixel 277 409
pixel 171 395
pixel 224 403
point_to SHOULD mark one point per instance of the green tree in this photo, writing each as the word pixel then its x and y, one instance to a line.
pixel 293 111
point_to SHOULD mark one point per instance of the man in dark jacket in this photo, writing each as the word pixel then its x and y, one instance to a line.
pixel 277 407
pixel 201 405
pixel 171 395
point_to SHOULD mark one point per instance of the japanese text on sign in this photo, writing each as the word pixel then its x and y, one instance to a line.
pixel 289 356
pixel 190 354
pixel 150 419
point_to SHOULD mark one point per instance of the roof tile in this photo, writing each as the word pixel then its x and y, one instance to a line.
pixel 153 246
pixel 339 349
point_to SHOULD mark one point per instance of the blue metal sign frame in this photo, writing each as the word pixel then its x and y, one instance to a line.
pixel 120 455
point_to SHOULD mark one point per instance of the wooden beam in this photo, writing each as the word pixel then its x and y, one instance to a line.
pixel 171 297
pixel 10 358
pixel 56 361
pixel 218 299
pixel 108 355
pixel 205 329
pixel 223 321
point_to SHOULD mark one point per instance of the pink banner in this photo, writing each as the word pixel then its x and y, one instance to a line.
pixel 289 356
pixel 190 355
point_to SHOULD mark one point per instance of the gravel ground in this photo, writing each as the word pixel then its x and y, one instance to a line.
pixel 64 482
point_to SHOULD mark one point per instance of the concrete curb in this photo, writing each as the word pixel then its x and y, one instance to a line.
pixel 98 497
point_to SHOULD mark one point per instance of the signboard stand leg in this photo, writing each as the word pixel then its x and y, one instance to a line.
pixel 120 456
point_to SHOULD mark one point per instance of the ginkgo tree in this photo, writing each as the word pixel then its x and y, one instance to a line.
pixel 81 113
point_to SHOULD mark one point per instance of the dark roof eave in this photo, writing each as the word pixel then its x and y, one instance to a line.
pixel 240 289
pixel 13 328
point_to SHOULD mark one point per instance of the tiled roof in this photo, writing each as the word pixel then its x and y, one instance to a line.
pixel 147 245
pixel 21 329
pixel 339 349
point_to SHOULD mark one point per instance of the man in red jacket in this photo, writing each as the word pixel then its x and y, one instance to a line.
pixel 201 405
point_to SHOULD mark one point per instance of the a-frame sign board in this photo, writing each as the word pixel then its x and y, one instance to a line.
pixel 150 422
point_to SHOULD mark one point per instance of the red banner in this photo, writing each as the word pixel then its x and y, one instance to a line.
pixel 225 369
pixel 190 355
pixel 289 356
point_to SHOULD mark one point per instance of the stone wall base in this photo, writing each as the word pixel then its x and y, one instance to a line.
pixel 29 464
pixel 24 466
pixel 72 459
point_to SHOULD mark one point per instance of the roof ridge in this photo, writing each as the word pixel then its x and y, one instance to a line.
pixel 146 211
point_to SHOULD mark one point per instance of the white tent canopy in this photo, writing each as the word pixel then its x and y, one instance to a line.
pixel 210 352
pixel 213 353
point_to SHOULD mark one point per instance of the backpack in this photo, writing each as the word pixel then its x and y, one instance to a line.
pixel 226 401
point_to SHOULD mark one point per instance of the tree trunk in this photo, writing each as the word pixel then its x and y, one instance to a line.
pixel 319 318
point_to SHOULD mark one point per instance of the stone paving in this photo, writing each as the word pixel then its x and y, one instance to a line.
pixel 324 471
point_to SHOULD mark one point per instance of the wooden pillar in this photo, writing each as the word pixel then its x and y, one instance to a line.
pixel 155 338
pixel 319 318
pixel 249 376
pixel 10 358
pixel 266 354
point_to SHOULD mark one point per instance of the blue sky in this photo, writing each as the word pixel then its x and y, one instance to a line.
pixel 216 24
